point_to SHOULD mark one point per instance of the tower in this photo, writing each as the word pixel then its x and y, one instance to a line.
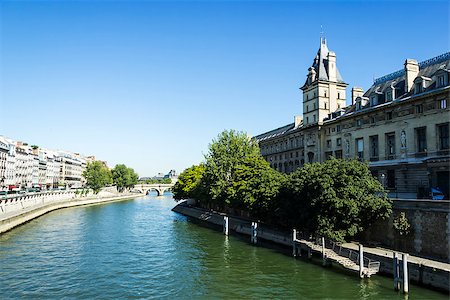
pixel 324 89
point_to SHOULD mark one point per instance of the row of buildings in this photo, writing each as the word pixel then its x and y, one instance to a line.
pixel 400 125
pixel 23 167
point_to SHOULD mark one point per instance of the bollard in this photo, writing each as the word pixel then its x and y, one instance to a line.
pixel 225 225
pixel 396 271
pixel 294 244
pixel 405 273
pixel 323 252
pixel 361 261
pixel 254 233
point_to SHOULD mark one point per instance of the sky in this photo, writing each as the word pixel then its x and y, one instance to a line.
pixel 151 84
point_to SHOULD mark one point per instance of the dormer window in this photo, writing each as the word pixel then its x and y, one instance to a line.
pixel 358 105
pixel 389 95
pixel 373 100
pixel 418 88
pixel 441 81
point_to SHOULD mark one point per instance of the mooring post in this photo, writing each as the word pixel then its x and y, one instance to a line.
pixel 323 251
pixel 396 271
pixel 405 273
pixel 294 244
pixel 361 261
pixel 225 225
pixel 254 232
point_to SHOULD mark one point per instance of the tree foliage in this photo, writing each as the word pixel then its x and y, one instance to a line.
pixel 336 199
pixel 188 184
pixel 124 177
pixel 97 175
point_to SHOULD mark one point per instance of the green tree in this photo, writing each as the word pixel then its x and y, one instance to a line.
pixel 336 199
pixel 188 185
pixel 97 175
pixel 236 175
pixel 124 177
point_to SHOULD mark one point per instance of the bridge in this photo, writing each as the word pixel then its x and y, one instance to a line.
pixel 160 188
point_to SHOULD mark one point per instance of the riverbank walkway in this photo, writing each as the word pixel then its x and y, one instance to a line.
pixel 15 211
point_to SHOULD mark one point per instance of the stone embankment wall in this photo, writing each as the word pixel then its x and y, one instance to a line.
pixel 421 271
pixel 16 210
pixel 429 234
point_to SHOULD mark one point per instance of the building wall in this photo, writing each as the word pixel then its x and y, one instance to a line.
pixel 423 239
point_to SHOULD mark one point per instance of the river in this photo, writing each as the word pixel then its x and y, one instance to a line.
pixel 141 249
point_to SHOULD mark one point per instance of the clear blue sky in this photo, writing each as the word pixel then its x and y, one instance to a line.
pixel 150 84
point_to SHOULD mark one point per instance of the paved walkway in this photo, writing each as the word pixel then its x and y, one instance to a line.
pixel 390 253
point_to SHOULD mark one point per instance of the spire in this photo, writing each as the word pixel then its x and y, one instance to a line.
pixel 323 40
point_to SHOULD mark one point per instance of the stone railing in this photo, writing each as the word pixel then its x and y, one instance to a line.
pixel 11 204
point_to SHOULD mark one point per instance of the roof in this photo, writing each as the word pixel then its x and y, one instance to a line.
pixel 396 79
pixel 320 63
pixel 274 133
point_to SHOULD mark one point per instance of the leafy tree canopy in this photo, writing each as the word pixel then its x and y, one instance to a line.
pixel 188 183
pixel 124 177
pixel 336 199
pixel 97 175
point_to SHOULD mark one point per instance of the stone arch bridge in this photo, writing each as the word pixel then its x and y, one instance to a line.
pixel 160 188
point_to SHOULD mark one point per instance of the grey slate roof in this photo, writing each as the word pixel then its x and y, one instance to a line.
pixel 320 64
pixel 276 132
pixel 397 79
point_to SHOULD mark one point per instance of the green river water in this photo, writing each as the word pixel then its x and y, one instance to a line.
pixel 140 249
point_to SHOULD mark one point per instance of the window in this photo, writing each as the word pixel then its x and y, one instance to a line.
pixel 389 115
pixel 418 88
pixel 291 155
pixel 390 145
pixel 307 108
pixel 443 137
pixel 373 100
pixel 296 154
pixel 419 109
pixel 360 148
pixel 325 104
pixel 443 103
pixel 338 128
pixel 307 97
pixel 441 81
pixel 324 93
pixel 314 106
pixel 338 142
pixel 329 143
pixel 307 120
pixel 338 153
pixel 359 122
pixel 314 118
pixel 389 95
pixel 373 147
pixel 372 120
pixel 328 154
pixel 421 139
pixel 339 95
pixel 391 179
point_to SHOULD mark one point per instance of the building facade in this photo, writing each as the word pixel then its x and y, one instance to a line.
pixel 400 125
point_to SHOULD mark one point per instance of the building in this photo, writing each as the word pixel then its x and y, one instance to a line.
pixel 400 125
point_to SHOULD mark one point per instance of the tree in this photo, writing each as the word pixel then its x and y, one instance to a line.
pixel 124 177
pixel 188 185
pixel 336 199
pixel 236 175
pixel 97 175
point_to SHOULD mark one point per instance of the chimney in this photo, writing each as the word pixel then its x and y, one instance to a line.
pixel 298 120
pixel 356 92
pixel 411 72
pixel 331 66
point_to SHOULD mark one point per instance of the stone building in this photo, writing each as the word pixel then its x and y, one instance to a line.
pixel 400 125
